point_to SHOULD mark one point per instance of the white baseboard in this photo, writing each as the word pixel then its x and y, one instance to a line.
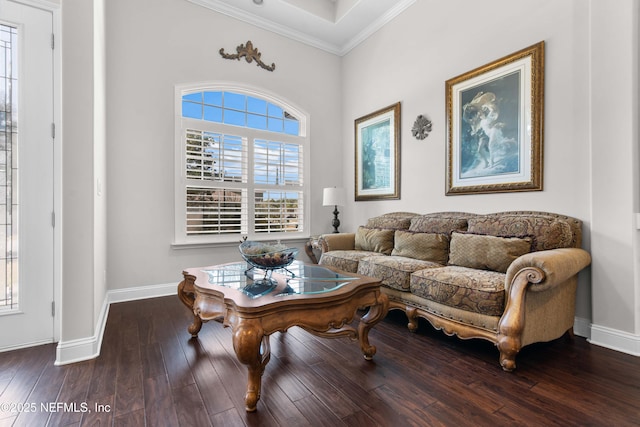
pixel 89 347
pixel 607 337
pixel 582 327
pixel 615 340
pixel 142 292
pixel 84 348
pixel 25 345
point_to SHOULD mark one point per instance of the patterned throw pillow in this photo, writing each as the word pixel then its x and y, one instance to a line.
pixel 394 221
pixel 374 240
pixel 486 252
pixel 439 223
pixel 423 246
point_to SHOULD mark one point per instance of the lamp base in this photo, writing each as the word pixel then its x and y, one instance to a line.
pixel 336 221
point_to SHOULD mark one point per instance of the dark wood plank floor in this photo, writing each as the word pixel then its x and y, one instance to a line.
pixel 151 373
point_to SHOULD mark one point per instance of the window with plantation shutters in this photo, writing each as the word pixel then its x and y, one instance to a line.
pixel 241 157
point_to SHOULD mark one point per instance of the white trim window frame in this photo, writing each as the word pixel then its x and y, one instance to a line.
pixel 235 181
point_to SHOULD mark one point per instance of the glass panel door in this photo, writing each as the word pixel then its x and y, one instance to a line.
pixel 26 176
pixel 8 169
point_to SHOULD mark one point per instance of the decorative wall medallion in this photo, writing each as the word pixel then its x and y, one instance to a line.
pixel 250 54
pixel 421 127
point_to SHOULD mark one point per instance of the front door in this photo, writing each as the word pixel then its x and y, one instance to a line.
pixel 26 176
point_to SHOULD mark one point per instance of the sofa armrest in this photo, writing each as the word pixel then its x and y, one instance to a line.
pixel 549 271
pixel 337 241
pixel 547 268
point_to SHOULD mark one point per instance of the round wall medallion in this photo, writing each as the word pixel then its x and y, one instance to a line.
pixel 421 127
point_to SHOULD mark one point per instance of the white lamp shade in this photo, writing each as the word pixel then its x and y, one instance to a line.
pixel 334 197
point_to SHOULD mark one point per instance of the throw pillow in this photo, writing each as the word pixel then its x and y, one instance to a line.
pixel 374 240
pixel 486 252
pixel 397 221
pixel 423 246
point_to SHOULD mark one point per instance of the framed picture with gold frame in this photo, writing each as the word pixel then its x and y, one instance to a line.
pixel 377 156
pixel 495 125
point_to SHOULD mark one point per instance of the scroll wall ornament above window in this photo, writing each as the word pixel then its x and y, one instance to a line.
pixel 250 54
pixel 421 127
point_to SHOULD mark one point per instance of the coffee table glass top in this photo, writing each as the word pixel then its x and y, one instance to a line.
pixel 300 279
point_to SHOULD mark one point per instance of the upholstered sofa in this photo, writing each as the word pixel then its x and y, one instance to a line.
pixel 507 277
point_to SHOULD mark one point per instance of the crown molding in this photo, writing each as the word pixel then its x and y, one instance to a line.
pixel 376 25
pixel 340 50
pixel 266 24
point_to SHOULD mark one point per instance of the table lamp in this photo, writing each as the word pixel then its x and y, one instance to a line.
pixel 335 197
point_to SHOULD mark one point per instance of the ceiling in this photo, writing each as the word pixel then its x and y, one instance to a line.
pixel 336 26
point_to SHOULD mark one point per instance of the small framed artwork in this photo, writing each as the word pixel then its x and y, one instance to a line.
pixel 377 155
pixel 495 125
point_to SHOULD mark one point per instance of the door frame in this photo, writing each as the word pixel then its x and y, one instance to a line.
pixel 54 8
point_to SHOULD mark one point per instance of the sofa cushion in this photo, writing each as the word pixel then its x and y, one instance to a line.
pixel 469 289
pixel 346 260
pixel 374 240
pixel 392 220
pixel 442 222
pixel 393 271
pixel 423 246
pixel 548 231
pixel 486 252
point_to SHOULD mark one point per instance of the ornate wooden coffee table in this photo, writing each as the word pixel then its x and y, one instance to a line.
pixel 320 300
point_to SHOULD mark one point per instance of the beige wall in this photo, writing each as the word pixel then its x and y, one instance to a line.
pixel 449 48
pixel 590 121
pixel 614 166
pixel 152 45
pixel 590 163
pixel 82 136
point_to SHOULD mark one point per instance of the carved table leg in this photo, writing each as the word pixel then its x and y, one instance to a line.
pixel 195 327
pixel 374 315
pixel 252 349
pixel 187 296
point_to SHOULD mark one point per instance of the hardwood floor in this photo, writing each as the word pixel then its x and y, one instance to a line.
pixel 151 373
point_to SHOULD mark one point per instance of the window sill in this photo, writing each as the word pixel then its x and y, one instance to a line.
pixel 203 245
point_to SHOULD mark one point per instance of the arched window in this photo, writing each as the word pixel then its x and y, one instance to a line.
pixel 241 157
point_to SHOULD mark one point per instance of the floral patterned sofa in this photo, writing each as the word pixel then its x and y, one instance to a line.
pixel 507 277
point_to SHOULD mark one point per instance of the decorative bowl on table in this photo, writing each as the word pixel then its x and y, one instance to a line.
pixel 267 255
